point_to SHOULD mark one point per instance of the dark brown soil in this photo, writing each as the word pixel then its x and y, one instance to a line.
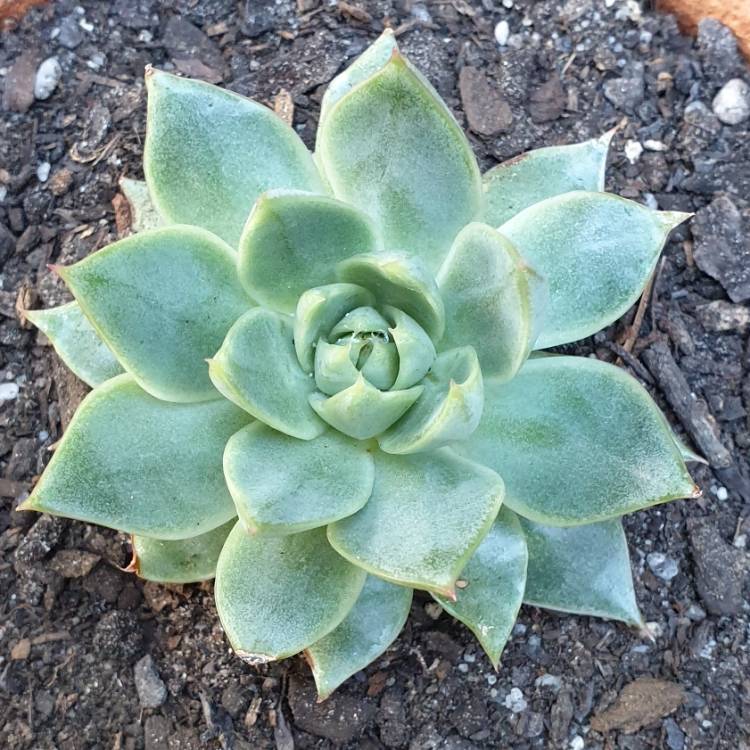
pixel 73 625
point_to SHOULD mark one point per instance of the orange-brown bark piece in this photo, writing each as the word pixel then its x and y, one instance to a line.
pixel 14 10
pixel 736 15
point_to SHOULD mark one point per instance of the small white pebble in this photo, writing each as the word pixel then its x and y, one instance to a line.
pixel 740 541
pixel 42 171
pixel 515 701
pixel 732 104
pixel 502 32
pixel 577 743
pixel 491 679
pixel 463 667
pixel 48 75
pixel 86 25
pixel 470 658
pixel 633 151
pixel 651 145
pixel 654 629
pixel 3 193
pixel 433 610
pixel 722 494
pixel 8 391
pixel 508 4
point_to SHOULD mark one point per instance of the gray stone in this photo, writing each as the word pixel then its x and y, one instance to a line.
pixel 486 110
pixel 151 689
pixel 625 93
pixel 719 316
pixel 720 569
pixel 732 104
pixel 47 77
pixel 717 49
pixel 70 35
pixel 675 735
pixel 722 249
pixel 662 566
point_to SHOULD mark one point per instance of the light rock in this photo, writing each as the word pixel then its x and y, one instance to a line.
pixel 48 75
pixel 732 104
pixel 515 701
pixel 662 566
pixel 633 151
pixel 8 391
pixel 502 33
pixel 151 689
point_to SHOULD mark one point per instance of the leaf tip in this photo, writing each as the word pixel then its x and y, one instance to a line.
pixel 672 219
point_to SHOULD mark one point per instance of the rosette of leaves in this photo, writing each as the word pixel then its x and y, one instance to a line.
pixel 313 375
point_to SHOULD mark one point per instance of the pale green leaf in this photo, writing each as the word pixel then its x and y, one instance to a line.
pixel 493 300
pixel 179 560
pixel 596 252
pixel 577 441
pixel 449 408
pixel 210 153
pixel 361 410
pixel 492 585
pixel 318 311
pixel 362 320
pixel 162 301
pixel 378 362
pixel 134 463
pixel 583 570
pixel 143 212
pixel 294 240
pixel 401 281
pixel 391 147
pixel 373 623
pixel 416 351
pixel 76 342
pixel 257 368
pixel 532 177
pixel 427 514
pixel 284 485
pixel 369 62
pixel 335 366
pixel 277 595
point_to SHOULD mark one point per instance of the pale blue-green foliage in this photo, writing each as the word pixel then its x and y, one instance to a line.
pixel 327 396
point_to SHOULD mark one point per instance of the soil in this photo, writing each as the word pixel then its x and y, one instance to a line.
pixel 73 625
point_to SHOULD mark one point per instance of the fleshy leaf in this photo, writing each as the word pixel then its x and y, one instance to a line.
pixel 318 311
pixel 210 153
pixel 334 368
pixel 449 408
pixel 76 342
pixel 583 570
pixel 143 213
pixel 369 62
pixel 360 320
pixel 132 462
pixel 373 623
pixel 293 241
pixel 401 281
pixel 162 301
pixel 257 368
pixel 380 363
pixel 493 300
pixel 596 252
pixel 493 584
pixel 391 147
pixel 416 351
pixel 297 582
pixel 284 485
pixel 577 441
pixel 180 560
pixel 427 514
pixel 361 410
pixel 532 177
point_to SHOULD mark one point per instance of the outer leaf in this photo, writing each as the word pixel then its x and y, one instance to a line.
pixel 373 623
pixel 284 485
pixel 494 581
pixel 210 153
pixel 318 311
pixel 143 212
pixel 427 514
pixel 76 342
pixel 391 147
pixel 257 368
pixel 416 351
pixel 449 408
pixel 131 462
pixel 596 252
pixel 362 411
pixel 277 595
pixel 180 560
pixel 401 281
pixel 577 441
pixel 532 177
pixel 584 570
pixel 493 300
pixel 369 62
pixel 162 301
pixel 293 241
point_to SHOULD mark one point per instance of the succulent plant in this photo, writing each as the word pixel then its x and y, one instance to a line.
pixel 317 377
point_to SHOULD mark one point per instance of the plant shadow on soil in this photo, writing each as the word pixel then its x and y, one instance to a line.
pixel 73 625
